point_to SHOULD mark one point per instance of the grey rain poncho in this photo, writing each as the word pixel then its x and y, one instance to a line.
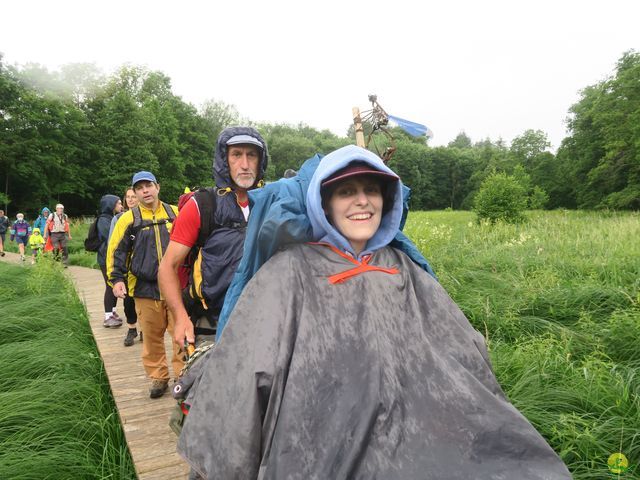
pixel 380 376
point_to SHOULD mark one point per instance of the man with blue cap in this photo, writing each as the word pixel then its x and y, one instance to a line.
pixel 136 247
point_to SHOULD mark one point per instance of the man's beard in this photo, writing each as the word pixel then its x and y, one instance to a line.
pixel 244 181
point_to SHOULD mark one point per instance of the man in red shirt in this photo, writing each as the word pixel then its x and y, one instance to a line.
pixel 239 165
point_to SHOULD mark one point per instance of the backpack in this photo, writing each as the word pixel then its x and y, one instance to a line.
pixel 206 200
pixel 92 242
pixel 193 296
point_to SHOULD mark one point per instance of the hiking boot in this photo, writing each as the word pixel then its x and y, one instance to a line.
pixel 131 336
pixel 22 258
pixel 158 387
pixel 112 322
pixel 1 254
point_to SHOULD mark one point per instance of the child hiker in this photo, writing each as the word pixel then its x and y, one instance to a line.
pixel 36 244
pixel 20 231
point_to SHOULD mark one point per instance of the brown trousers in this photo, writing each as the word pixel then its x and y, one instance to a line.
pixel 155 320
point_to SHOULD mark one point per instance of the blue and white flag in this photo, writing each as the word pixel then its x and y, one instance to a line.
pixel 412 128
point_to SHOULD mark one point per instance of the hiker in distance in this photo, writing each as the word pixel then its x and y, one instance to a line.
pixel 110 205
pixel 59 231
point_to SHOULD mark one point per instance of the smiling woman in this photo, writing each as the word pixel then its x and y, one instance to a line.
pixel 352 199
pixel 344 359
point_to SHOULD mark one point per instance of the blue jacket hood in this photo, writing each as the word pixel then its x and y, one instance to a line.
pixel 220 164
pixel 325 232
pixel 45 212
pixel 107 204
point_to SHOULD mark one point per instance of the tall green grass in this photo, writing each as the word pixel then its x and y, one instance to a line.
pixel 558 300
pixel 57 416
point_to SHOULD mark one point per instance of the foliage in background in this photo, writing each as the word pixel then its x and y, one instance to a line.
pixel 4 200
pixel 57 416
pixel 558 300
pixel 501 197
pixel 74 135
pixel 601 156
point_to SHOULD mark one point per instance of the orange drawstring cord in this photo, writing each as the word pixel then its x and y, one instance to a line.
pixel 361 267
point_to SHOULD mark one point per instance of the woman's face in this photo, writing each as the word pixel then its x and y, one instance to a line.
pixel 118 207
pixel 355 209
pixel 131 199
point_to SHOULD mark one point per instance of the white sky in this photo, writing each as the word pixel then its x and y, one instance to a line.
pixel 491 68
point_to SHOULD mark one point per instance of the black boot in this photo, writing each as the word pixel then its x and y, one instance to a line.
pixel 131 336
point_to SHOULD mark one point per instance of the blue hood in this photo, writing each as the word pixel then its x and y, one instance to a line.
pixel 220 164
pixel 323 231
pixel 45 212
pixel 107 204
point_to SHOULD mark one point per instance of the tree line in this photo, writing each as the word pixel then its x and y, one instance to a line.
pixel 73 135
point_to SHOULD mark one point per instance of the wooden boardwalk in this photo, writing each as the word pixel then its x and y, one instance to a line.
pixel 145 421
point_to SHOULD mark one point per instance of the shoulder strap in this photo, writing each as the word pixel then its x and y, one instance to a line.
pixel 137 217
pixel 137 222
pixel 206 200
pixel 170 212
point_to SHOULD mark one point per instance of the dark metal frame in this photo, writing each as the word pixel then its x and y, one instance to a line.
pixel 378 119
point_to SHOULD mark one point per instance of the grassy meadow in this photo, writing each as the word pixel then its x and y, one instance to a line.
pixel 557 298
pixel 558 301
pixel 57 415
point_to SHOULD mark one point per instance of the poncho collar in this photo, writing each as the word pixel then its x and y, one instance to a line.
pixel 361 265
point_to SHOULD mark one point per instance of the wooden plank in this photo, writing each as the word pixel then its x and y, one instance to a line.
pixel 180 471
pixel 156 463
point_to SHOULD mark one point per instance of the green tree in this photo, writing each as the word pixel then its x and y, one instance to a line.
pixel 538 198
pixel 501 197
pixel 41 144
pixel 461 141
pixel 219 115
pixel 139 124
pixel 528 147
pixel 602 154
pixel 287 149
pixel 487 158
pixel 412 163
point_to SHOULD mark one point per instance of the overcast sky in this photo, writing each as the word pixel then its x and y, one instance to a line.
pixel 490 68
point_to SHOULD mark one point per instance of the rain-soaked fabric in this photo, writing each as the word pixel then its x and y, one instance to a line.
pixel 378 377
